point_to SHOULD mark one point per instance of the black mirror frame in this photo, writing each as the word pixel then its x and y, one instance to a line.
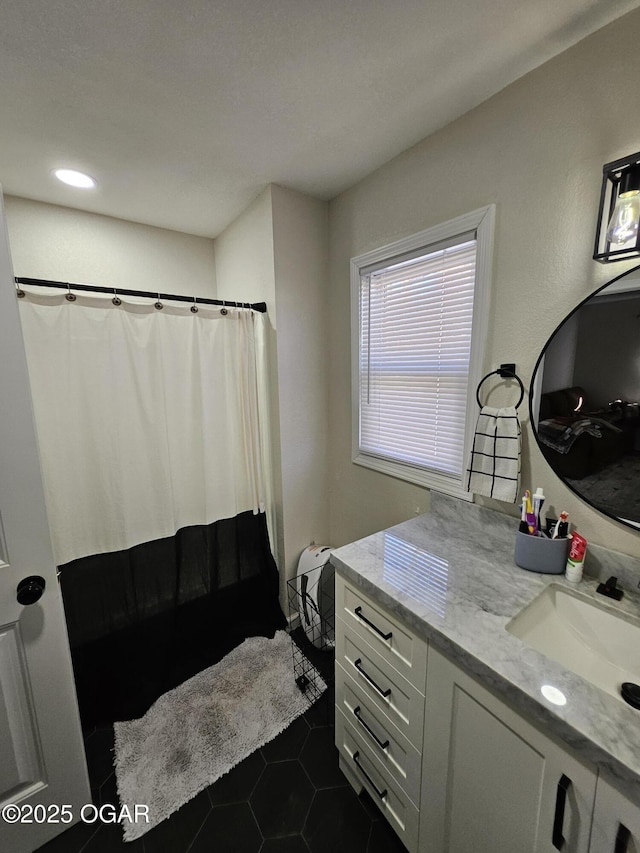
pixel 627 524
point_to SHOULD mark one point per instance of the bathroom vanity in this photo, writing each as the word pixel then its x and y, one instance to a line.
pixel 467 736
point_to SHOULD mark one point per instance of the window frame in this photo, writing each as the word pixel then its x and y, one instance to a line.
pixel 482 222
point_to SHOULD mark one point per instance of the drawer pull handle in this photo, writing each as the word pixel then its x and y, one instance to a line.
pixel 381 744
pixel 381 794
pixel 622 839
pixel 557 837
pixel 358 612
pixel 383 693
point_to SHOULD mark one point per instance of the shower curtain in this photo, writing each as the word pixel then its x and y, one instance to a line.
pixel 153 433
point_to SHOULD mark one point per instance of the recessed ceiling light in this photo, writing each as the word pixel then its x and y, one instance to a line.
pixel 74 179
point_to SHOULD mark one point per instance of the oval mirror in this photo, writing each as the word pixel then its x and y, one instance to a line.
pixel 585 399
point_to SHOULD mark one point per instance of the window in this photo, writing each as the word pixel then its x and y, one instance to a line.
pixel 420 314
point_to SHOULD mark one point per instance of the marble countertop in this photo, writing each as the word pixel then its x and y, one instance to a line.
pixel 450 576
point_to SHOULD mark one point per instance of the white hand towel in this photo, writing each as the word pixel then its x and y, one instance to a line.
pixel 494 470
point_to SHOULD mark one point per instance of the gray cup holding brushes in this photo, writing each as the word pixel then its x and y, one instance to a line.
pixel 540 554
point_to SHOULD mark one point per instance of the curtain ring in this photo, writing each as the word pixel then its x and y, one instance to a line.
pixel 223 310
pixel 116 299
pixel 158 304
pixel 70 297
pixel 194 307
pixel 19 291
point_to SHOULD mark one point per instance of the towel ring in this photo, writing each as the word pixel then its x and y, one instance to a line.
pixel 505 373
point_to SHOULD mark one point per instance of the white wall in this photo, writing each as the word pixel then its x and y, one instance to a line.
pixel 245 269
pixel 276 251
pixel 63 244
pixel 245 272
pixel 300 255
pixel 536 150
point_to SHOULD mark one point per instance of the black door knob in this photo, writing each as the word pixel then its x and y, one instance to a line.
pixel 30 589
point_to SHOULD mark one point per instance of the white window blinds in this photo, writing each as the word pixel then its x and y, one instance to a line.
pixel 414 350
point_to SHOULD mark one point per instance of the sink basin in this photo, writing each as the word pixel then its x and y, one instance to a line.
pixel 589 639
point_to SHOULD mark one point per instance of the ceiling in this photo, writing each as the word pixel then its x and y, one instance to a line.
pixel 184 110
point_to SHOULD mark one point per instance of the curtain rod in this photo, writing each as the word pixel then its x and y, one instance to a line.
pixel 43 282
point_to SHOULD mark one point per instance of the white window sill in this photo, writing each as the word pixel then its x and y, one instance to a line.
pixel 449 485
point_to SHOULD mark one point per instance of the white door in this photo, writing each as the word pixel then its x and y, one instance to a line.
pixel 42 763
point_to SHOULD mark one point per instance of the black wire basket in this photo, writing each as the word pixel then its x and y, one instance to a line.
pixel 312 634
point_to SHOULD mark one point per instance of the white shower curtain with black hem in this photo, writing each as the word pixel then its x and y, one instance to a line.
pixel 148 420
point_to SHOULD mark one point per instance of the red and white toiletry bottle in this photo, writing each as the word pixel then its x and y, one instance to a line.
pixel 575 563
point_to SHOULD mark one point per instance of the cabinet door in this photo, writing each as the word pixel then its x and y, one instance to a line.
pixel 493 782
pixel 616 822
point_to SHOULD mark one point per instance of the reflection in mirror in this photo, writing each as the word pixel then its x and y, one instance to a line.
pixel 585 399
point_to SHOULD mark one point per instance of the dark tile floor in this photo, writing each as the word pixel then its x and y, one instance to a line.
pixel 288 797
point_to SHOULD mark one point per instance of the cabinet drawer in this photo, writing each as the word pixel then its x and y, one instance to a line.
pixel 400 756
pixel 392 640
pixel 385 688
pixel 358 763
pixel 398 759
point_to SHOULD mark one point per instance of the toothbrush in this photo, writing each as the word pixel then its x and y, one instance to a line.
pixel 524 527
pixel 531 516
pixel 562 526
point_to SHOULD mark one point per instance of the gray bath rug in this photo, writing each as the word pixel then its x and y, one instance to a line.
pixel 196 733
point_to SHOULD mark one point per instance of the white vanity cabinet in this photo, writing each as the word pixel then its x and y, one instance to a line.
pixel 380 680
pixel 493 782
pixel 616 822
pixel 452 767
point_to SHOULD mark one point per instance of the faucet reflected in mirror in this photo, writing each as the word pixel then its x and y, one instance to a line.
pixel 585 399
